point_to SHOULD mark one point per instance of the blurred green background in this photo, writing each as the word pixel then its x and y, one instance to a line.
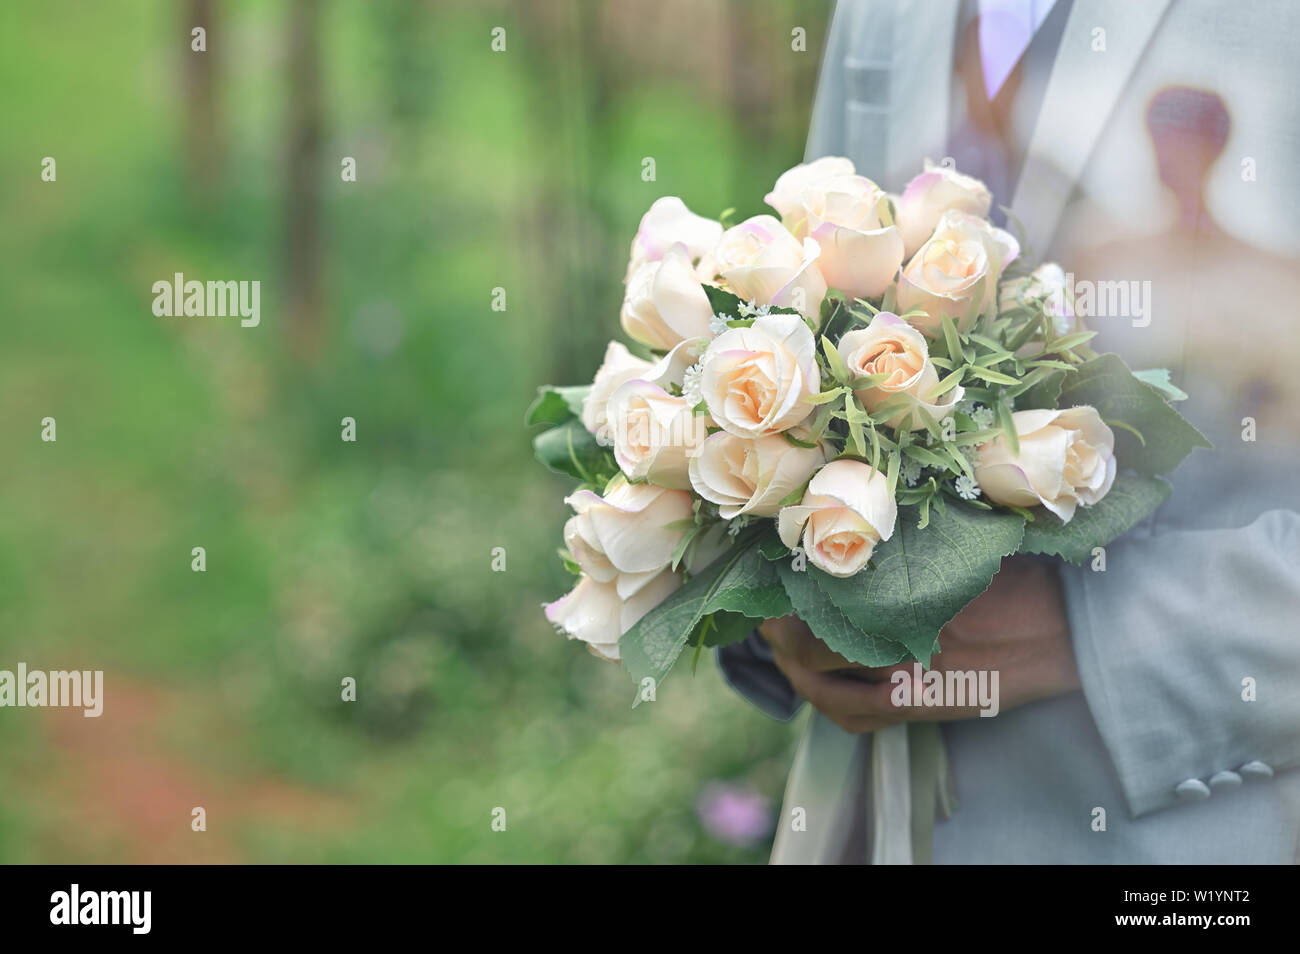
pixel 475 170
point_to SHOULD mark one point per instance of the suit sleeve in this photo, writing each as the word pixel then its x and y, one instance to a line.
pixel 1188 651
pixel 747 667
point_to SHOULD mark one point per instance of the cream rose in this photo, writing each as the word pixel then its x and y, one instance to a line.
pixel 744 476
pixel 762 262
pixel 619 366
pixel 655 433
pixel 664 303
pixel 787 195
pixel 599 613
pixel 667 223
pixel 628 530
pixel 848 217
pixel 928 196
pixel 958 265
pixel 892 347
pixel 758 381
pixel 1066 459
pixel 845 512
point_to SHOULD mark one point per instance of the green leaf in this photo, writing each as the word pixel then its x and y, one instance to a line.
pixel 1049 363
pixel 740 581
pixel 987 342
pixel 1111 422
pixel 864 381
pixel 1027 383
pixel 722 301
pixel 923 505
pixel 1008 425
pixel 1021 337
pixel 891 474
pixel 959 459
pixel 835 314
pixel 1108 385
pixel 977 437
pixel 922 578
pixel 555 405
pixel 1044 395
pixel 950 337
pixel 889 299
pixel 825 397
pixel 724 628
pixel 680 550
pixel 772 548
pixel 571 449
pixel 993 377
pixel 1066 342
pixel 1159 379
pixel 830 625
pixel 1131 499
pixel 925 456
pixel 947 384
pixel 839 371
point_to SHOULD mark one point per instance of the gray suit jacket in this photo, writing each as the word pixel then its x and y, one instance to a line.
pixel 1187 731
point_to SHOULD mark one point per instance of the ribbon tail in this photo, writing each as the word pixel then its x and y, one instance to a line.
pixel 891 798
pixel 910 780
pixel 822 796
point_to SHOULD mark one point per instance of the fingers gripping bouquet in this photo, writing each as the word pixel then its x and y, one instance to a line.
pixel 851 413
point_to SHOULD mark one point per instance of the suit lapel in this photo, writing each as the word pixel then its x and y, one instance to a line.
pixel 1081 93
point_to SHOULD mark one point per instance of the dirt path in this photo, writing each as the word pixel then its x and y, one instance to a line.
pixel 121 788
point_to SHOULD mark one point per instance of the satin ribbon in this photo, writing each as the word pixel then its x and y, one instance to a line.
pixel 884 787
pixel 910 781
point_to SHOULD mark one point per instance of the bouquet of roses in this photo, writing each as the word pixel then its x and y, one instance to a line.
pixel 851 413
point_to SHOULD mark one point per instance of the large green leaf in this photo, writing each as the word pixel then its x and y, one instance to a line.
pixel 922 578
pixel 1107 384
pixel 828 624
pixel 739 581
pixel 1159 379
pixel 723 628
pixel 555 405
pixel 571 449
pixel 1130 500
pixel 1044 395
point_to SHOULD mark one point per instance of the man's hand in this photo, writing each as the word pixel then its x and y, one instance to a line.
pixel 1017 627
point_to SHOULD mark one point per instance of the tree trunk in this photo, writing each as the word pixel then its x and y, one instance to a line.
pixel 304 299
pixel 202 137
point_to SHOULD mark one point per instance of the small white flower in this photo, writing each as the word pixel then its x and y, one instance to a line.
pixel 982 416
pixel 966 488
pixel 910 471
pixel 735 526
pixel 718 323
pixel 691 383
pixel 751 309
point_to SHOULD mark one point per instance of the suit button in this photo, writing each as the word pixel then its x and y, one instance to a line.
pixel 1256 769
pixel 1192 790
pixel 1221 780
